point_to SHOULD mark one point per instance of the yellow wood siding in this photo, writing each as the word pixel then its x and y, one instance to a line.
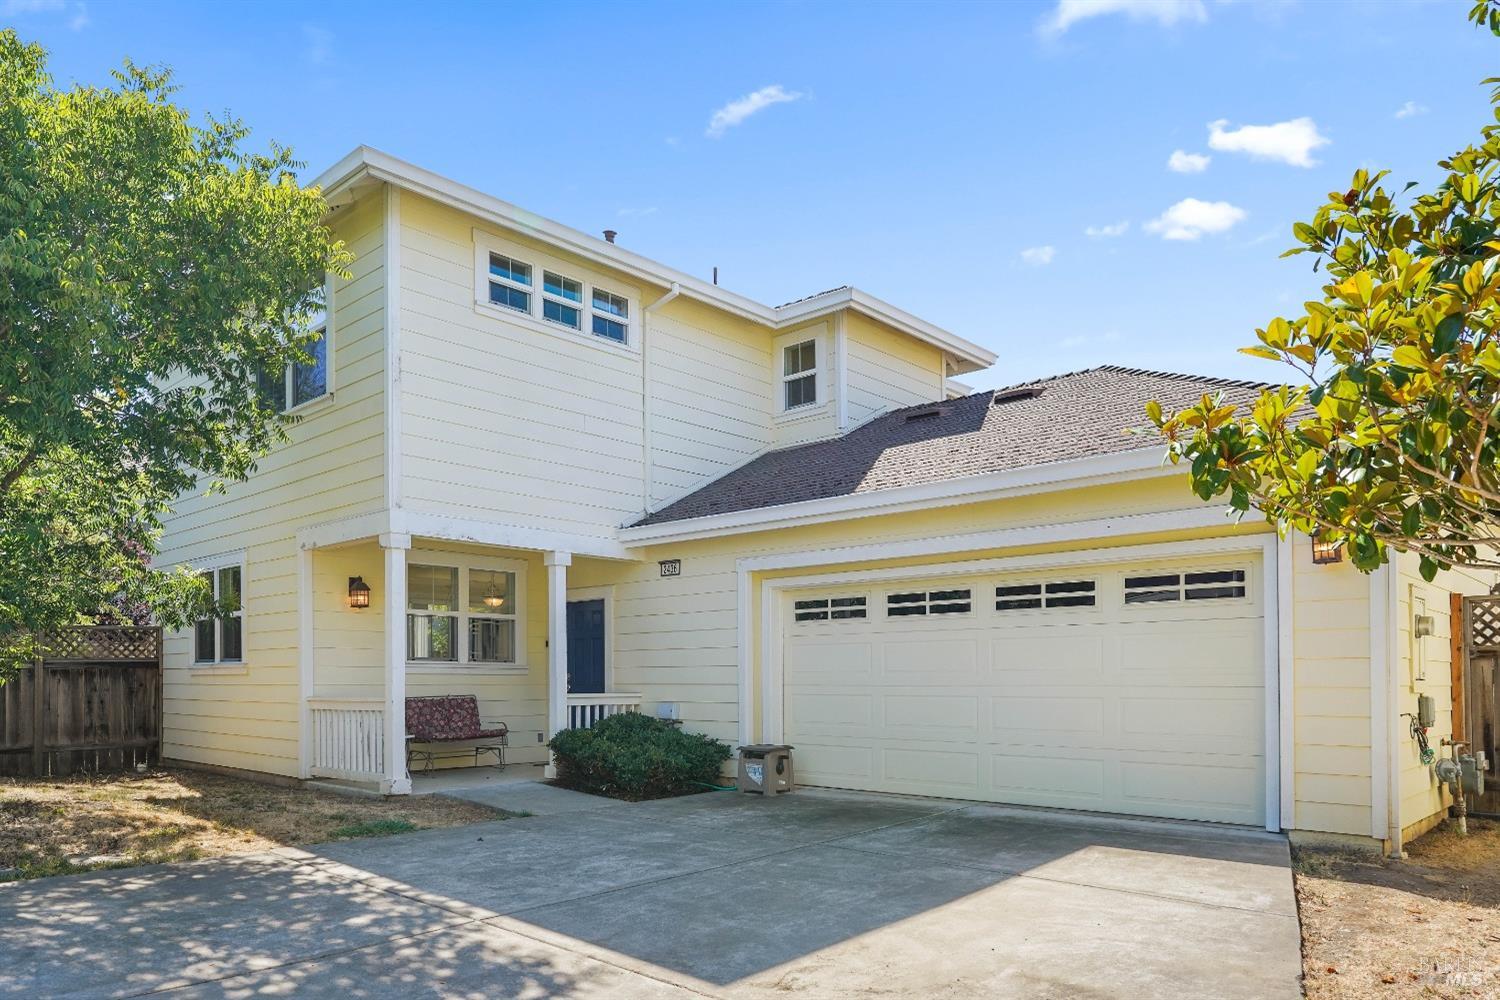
pixel 1423 667
pixel 1330 695
pixel 502 421
pixel 888 371
pixel 710 385
pixel 246 716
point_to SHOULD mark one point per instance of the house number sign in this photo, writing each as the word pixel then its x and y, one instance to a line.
pixel 671 567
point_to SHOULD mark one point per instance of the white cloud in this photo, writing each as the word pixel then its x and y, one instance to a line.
pixel 1183 162
pixel 1038 256
pixel 1106 232
pixel 76 11
pixel 737 111
pixel 1290 142
pixel 1411 109
pixel 1191 218
pixel 1163 12
pixel 637 213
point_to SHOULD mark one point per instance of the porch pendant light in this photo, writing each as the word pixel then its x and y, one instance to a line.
pixel 1325 552
pixel 493 600
pixel 359 592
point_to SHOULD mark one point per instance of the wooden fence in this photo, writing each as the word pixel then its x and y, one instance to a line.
pixel 93 703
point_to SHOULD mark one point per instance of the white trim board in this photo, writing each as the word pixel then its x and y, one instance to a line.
pixel 1264 544
pixel 1139 463
pixel 364 162
pixel 362 527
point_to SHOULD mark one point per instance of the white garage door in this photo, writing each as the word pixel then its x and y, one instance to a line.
pixel 1128 687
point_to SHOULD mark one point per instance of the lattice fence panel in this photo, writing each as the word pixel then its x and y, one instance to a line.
pixel 1484 623
pixel 104 644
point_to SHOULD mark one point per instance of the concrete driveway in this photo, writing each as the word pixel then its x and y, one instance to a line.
pixel 814 894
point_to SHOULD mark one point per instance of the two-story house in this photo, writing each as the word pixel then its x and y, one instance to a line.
pixel 535 467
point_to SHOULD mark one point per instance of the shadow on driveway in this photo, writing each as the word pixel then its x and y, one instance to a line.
pixel 818 894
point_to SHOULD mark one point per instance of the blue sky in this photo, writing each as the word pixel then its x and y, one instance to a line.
pixel 972 163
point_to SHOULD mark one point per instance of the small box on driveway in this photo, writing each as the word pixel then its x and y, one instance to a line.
pixel 765 768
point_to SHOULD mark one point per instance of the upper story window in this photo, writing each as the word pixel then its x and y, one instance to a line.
pixel 611 315
pixel 551 291
pixel 562 299
pixel 298 382
pixel 799 374
pixel 220 637
pixel 510 283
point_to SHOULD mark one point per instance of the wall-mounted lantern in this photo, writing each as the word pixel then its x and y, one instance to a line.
pixel 1325 552
pixel 359 592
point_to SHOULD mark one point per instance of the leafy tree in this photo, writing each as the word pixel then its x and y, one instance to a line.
pixel 149 269
pixel 1394 439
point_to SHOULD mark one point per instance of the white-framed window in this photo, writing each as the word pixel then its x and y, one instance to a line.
pixel 922 603
pixel 611 315
pixel 800 370
pixel 301 383
pixel 492 616
pixel 799 374
pixel 464 611
pixel 562 300
pixel 431 613
pixel 510 283
pixel 220 637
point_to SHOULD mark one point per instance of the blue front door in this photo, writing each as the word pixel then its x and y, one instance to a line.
pixel 585 647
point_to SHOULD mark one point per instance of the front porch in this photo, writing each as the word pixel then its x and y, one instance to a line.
pixel 394 617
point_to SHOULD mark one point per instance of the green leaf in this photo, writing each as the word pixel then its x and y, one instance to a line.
pixel 1409 357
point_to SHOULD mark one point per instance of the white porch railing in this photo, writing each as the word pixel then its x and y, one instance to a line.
pixel 584 710
pixel 348 738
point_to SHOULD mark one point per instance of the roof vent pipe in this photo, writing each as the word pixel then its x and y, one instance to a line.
pixel 609 235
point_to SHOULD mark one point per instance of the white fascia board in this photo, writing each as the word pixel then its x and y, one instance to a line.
pixel 388 523
pixel 1140 463
pixel 972 355
pixel 510 536
pixel 367 162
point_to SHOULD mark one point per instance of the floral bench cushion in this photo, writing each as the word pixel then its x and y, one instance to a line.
pixel 447 718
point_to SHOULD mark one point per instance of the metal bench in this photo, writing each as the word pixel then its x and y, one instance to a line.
pixel 435 724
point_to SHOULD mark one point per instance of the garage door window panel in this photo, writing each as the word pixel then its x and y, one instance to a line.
pixel 1201 585
pixel 822 609
pixel 1051 595
pixel 926 603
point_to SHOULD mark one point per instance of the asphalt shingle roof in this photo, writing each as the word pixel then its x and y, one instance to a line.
pixel 1077 415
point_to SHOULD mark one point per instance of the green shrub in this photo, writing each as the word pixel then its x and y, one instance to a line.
pixel 633 756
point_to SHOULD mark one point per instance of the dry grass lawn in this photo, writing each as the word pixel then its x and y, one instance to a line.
pixel 1426 927
pixel 56 827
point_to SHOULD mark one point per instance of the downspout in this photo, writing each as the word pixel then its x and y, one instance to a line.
pixel 647 473
pixel 1385 691
pixel 1393 710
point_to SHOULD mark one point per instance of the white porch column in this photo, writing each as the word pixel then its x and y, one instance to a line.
pixel 306 662
pixel 395 781
pixel 557 641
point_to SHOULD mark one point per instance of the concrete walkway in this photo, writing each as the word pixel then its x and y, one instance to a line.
pixel 813 894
